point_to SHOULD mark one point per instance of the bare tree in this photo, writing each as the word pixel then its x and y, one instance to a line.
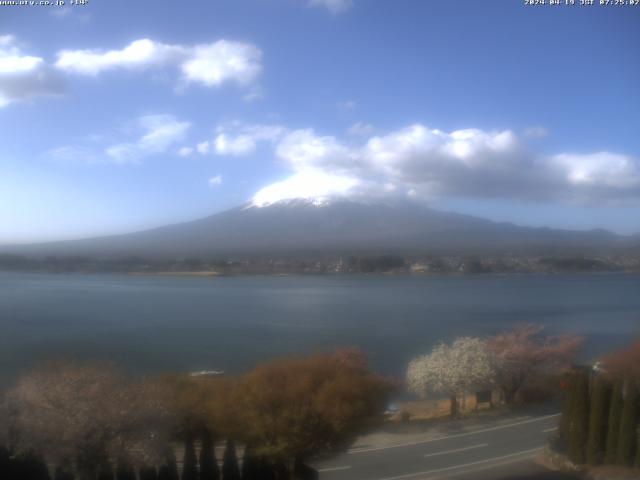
pixel 85 415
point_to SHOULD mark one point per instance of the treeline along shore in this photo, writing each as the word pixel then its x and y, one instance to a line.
pixel 280 265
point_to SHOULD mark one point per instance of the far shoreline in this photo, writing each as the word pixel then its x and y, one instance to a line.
pixel 214 274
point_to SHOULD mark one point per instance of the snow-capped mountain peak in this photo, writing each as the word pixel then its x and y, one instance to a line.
pixel 310 202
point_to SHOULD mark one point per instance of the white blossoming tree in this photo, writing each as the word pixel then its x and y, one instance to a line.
pixel 452 370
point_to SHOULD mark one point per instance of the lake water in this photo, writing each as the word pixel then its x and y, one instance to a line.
pixel 150 324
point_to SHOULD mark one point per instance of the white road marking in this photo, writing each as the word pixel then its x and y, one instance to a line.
pixel 480 468
pixel 334 469
pixel 463 465
pixel 547 430
pixel 420 442
pixel 456 450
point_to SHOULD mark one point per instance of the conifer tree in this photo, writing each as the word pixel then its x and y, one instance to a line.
pixel 230 469
pixel 563 424
pixel 615 414
pixel 578 416
pixel 169 470
pixel 600 397
pixel 5 462
pixel 208 463
pixel 190 460
pixel 260 468
pixel 266 469
pixel 303 471
pixel 63 473
pixel 125 471
pixel 249 466
pixel 40 469
pixel 105 472
pixel 281 471
pixel 31 466
pixel 148 473
pixel 628 425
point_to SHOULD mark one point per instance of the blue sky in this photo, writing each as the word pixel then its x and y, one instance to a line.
pixel 120 115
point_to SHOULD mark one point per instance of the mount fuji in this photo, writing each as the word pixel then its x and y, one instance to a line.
pixel 320 227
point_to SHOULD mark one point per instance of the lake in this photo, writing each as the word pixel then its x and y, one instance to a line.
pixel 151 324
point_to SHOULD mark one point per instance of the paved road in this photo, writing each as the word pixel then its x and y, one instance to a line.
pixel 486 451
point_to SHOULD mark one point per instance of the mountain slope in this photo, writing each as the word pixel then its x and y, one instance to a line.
pixel 305 228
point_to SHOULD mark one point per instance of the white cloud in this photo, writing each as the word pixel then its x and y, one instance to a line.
pixel 139 54
pixel 418 154
pixel 334 6
pixel 159 133
pixel 235 146
pixel 304 149
pixel 422 162
pixel 153 135
pixel 23 77
pixel 210 64
pixel 203 147
pixel 222 61
pixel 602 170
pixel 310 184
pixel 238 139
pixel 11 60
pixel 69 11
pixel 185 151
pixel 215 181
pixel 73 154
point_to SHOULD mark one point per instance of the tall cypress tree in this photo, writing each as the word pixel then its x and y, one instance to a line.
pixel 169 470
pixel 578 415
pixel 265 469
pixel 628 425
pixel 41 469
pixel 125 471
pixel 148 473
pixel 5 462
pixel 190 460
pixel 249 466
pixel 230 469
pixel 269 470
pixel 63 473
pixel 208 463
pixel 260 468
pixel 105 472
pixel 615 415
pixel 600 397
pixel 303 471
pixel 281 470
pixel 30 466
pixel 563 425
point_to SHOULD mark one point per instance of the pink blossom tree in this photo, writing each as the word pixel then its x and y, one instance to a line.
pixel 520 353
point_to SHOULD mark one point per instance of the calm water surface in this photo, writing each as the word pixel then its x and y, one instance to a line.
pixel 148 324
